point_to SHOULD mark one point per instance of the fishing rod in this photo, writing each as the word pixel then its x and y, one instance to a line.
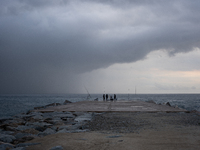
pixel 88 97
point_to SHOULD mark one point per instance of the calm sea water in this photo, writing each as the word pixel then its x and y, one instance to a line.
pixel 15 104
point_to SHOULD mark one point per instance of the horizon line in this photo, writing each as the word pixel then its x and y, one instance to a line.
pixel 87 94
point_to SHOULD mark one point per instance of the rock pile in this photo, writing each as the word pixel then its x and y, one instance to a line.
pixel 16 130
pixel 166 103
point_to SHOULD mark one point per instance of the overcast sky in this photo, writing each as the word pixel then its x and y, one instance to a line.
pixel 111 46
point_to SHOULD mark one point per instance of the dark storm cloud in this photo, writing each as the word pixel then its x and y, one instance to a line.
pixel 44 44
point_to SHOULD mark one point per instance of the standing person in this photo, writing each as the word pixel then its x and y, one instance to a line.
pixel 103 97
pixel 115 98
pixel 111 98
pixel 106 97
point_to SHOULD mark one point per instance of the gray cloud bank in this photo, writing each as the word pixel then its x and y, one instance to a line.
pixel 45 44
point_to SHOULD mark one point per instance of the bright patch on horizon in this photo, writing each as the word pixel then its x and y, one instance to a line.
pixel 158 73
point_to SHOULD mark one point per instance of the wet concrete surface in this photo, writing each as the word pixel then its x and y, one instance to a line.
pixel 112 106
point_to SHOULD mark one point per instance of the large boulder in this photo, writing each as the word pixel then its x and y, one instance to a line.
pixel 84 117
pixel 37 117
pixel 63 115
pixel 7 138
pixel 55 121
pixel 15 122
pixel 22 135
pixel 63 131
pixel 31 131
pixel 66 102
pixel 78 113
pixel 24 139
pixel 6 146
pixel 7 132
pixel 52 104
pixel 67 127
pixel 24 116
pixel 168 104
pixel 48 131
pixel 2 119
pixel 9 128
pixel 74 127
pixel 38 124
pixel 22 128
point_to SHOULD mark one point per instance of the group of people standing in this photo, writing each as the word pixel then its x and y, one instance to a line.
pixel 105 97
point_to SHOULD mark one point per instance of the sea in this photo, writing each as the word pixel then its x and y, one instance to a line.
pixel 11 105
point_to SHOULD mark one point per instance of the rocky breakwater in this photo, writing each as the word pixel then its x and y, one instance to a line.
pixel 16 131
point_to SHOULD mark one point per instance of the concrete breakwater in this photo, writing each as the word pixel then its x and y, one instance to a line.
pixel 16 131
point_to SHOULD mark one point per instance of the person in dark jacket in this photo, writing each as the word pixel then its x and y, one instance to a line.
pixel 115 98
